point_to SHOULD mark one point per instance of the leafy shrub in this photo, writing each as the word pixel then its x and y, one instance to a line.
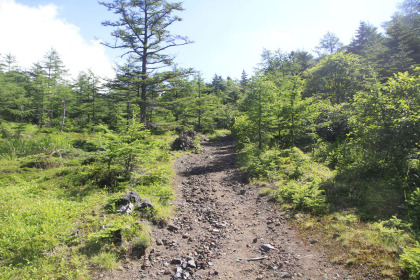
pixel 393 233
pixel 242 131
pixel 305 196
pixel 410 262
pixel 412 207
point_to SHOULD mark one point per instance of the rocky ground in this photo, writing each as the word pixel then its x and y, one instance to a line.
pixel 224 229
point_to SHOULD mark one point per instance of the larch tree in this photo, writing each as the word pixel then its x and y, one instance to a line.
pixel 329 44
pixel 142 33
pixel 9 62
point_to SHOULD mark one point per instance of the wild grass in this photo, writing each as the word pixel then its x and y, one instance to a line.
pixel 53 218
pixel 219 134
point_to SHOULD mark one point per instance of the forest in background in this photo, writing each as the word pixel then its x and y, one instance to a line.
pixel 335 134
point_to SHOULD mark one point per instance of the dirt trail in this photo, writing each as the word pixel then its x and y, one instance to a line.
pixel 224 230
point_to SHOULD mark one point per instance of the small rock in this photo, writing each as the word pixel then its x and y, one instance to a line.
pixel 120 268
pixel 159 242
pixel 242 192
pixel 167 272
pixel 176 261
pixel 313 241
pixel 267 247
pixel 191 263
pixel 255 240
pixel 286 275
pixel 147 263
pixel 177 275
pixel 129 197
pixel 172 227
pixel 125 209
pixel 144 203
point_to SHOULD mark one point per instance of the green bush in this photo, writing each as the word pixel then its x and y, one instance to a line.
pixel 412 207
pixel 410 262
pixel 304 196
pixel 299 177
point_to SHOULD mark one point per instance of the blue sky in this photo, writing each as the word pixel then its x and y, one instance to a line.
pixel 229 35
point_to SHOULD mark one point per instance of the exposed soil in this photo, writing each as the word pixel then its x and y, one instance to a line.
pixel 224 229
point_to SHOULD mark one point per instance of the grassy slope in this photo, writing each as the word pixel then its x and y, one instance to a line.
pixel 52 209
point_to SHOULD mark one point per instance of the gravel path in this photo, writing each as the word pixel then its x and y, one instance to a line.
pixel 224 229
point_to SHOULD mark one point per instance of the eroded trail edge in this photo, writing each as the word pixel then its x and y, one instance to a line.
pixel 224 229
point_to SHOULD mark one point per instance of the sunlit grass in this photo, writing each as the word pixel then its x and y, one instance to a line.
pixel 373 248
pixel 51 215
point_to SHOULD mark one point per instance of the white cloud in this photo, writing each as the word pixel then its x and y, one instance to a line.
pixel 28 33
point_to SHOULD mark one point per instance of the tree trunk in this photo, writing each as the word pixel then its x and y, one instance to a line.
pixel 143 97
pixel 259 122
pixel 64 115
pixel 199 108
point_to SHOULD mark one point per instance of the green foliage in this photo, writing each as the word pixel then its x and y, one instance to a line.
pixel 299 178
pixel 393 233
pixel 304 196
pixel 332 121
pixel 412 208
pixel 338 77
pixel 242 131
pixel 50 225
pixel 386 121
pixel 403 38
pixel 258 105
pixel 410 261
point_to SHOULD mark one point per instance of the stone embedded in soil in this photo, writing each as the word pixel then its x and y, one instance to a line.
pixel 125 209
pixel 267 247
pixel 172 227
pixel 129 197
pixel 144 203
pixel 286 275
pixel 176 261
pixel 191 263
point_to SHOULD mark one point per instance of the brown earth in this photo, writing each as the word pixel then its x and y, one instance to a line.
pixel 225 229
